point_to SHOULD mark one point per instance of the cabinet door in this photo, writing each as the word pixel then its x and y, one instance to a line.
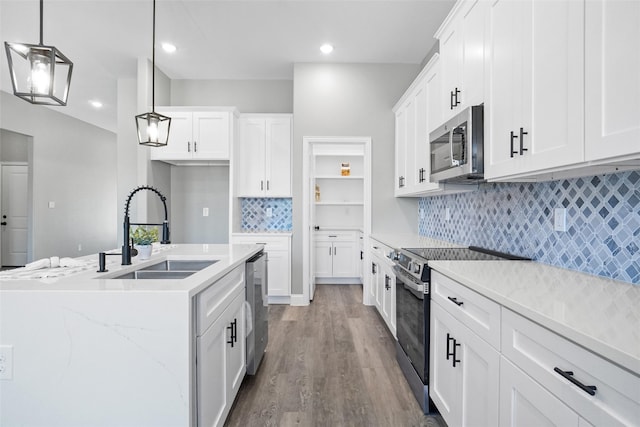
pixel 418 156
pixel 236 353
pixel 388 303
pixel 536 86
pixel 211 135
pixel 372 278
pixel 473 28
pixel 401 149
pixel 434 101
pixel 278 162
pixel 213 397
pixel 524 403
pixel 451 62
pixel 180 144
pixel 444 378
pixel 279 272
pixel 378 283
pixel 251 154
pixel 324 258
pixel 344 260
pixel 612 78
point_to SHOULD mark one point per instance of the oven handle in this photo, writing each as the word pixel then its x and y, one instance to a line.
pixel 416 293
pixel 407 283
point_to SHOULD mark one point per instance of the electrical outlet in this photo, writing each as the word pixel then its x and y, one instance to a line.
pixel 52 205
pixel 79 247
pixel 205 211
pixel 422 215
pixel 269 212
pixel 447 214
pixel 6 362
pixel 560 219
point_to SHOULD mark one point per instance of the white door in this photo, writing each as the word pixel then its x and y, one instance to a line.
pixel 15 186
pixel 312 225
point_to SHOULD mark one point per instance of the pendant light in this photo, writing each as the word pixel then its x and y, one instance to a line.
pixel 40 74
pixel 153 128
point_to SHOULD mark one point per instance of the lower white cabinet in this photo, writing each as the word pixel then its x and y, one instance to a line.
pixel 336 254
pixel 382 282
pixel 524 402
pixel 278 249
pixel 220 348
pixel 464 372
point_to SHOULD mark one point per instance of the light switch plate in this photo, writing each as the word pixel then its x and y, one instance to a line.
pixel 269 212
pixel 560 219
pixel 6 362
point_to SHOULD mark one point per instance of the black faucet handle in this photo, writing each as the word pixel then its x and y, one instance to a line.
pixel 102 262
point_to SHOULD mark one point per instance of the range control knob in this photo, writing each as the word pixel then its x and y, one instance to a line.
pixel 394 255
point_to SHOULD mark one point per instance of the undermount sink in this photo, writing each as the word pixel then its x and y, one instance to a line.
pixel 166 270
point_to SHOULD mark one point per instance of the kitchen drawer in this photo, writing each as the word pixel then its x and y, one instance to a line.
pixel 478 313
pixel 538 351
pixel 381 250
pixel 213 300
pixel 271 243
pixel 333 236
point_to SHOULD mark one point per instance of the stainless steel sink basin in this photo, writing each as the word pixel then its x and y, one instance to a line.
pixel 179 265
pixel 167 270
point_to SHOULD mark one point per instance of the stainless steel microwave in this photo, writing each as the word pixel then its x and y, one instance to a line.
pixel 457 148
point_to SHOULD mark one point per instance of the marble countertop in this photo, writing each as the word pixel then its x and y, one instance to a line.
pixel 87 279
pixel 600 314
pixel 409 240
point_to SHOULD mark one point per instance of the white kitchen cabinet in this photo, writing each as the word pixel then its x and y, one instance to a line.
pixel 263 163
pixel 464 380
pixel 336 254
pixel 196 136
pixel 612 79
pixel 278 249
pixel 462 56
pixel 383 284
pixel 597 390
pixel 220 347
pixel 524 403
pixel 534 108
pixel 418 112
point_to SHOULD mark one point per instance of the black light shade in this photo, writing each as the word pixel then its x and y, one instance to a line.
pixel 153 129
pixel 39 74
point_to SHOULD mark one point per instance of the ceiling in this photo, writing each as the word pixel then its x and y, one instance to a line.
pixel 232 39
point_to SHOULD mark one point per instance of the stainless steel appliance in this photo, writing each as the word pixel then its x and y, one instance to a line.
pixel 256 292
pixel 457 148
pixel 413 309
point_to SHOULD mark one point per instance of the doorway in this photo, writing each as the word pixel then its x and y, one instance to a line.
pixel 14 211
pixel 336 211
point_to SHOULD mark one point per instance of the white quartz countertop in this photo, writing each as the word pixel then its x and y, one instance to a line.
pixel 409 240
pixel 600 314
pixel 227 257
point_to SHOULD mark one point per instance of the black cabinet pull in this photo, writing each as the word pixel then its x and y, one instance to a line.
pixel 230 328
pixel 267 185
pixel 421 177
pixel 455 350
pixel 261 185
pixel 188 147
pixel 511 153
pixel 374 268
pixel 387 279
pixel 361 255
pixel 454 98
pixel 455 301
pixel 456 93
pixel 449 339
pixel 451 101
pixel 522 134
pixel 401 182
pixel 589 389
pixel 195 146
pixel 233 327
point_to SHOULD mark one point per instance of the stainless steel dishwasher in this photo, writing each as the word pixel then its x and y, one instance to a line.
pixel 257 286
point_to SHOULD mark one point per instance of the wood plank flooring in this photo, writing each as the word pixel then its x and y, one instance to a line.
pixel 331 363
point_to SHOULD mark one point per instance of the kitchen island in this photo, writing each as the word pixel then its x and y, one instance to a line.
pixel 89 349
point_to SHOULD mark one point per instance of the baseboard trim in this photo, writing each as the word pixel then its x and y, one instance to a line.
pixel 338 281
pixel 299 300
pixel 279 300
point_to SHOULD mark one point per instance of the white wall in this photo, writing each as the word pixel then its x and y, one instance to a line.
pixel 14 146
pixel 74 165
pixel 351 100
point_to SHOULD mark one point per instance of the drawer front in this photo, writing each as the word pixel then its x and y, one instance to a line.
pixel 212 302
pixel 478 313
pixel 343 236
pixel 538 351
pixel 271 243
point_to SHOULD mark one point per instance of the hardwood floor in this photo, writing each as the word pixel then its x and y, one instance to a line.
pixel 331 363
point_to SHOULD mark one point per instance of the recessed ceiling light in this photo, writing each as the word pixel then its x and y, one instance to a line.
pixel 326 48
pixel 96 104
pixel 168 47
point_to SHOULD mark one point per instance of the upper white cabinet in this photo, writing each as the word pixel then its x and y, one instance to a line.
pixel 417 113
pixel 462 56
pixel 612 79
pixel 196 136
pixel 263 163
pixel 534 109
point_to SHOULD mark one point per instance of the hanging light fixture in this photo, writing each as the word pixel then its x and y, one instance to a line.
pixel 40 74
pixel 153 128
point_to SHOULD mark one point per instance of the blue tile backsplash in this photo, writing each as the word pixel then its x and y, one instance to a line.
pixel 603 222
pixel 255 219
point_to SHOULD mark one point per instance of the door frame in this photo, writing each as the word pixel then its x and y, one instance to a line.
pixel 29 207
pixel 307 151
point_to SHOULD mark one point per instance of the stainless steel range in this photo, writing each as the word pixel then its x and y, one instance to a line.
pixel 413 308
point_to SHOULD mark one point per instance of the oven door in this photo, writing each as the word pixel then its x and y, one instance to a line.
pixel 412 321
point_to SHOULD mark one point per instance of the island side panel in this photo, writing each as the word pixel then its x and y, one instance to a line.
pixel 96 358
